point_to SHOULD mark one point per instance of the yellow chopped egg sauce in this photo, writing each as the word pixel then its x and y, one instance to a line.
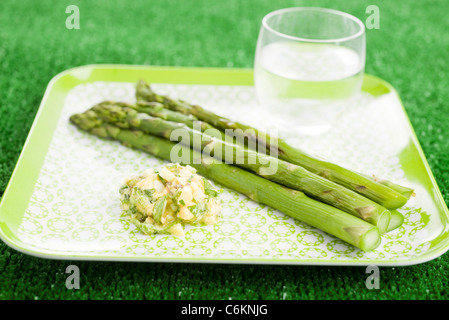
pixel 164 200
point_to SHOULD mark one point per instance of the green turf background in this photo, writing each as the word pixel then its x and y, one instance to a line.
pixel 410 50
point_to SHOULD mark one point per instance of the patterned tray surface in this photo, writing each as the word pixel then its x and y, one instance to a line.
pixel 75 208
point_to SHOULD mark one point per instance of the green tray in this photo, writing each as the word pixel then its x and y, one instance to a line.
pixel 62 199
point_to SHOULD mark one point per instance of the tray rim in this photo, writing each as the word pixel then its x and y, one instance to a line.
pixel 69 78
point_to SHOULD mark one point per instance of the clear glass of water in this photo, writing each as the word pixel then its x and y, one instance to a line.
pixel 309 66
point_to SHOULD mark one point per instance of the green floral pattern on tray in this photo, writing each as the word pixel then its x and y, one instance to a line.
pixel 75 204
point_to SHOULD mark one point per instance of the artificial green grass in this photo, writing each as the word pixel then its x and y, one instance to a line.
pixel 409 51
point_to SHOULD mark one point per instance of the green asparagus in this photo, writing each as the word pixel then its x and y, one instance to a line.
pixel 405 191
pixel 269 167
pixel 396 220
pixel 292 202
pixel 157 109
pixel 387 195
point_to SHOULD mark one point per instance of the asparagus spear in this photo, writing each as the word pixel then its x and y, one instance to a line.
pixel 388 195
pixel 269 167
pixel 292 202
pixel 157 109
pixel 396 220
pixel 405 191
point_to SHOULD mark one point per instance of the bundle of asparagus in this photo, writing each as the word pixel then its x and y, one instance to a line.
pixel 343 203
pixel 287 174
pixel 292 202
pixel 384 192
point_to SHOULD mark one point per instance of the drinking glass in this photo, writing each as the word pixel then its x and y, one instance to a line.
pixel 309 66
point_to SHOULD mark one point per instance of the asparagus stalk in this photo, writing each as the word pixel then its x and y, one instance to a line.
pixel 391 196
pixel 157 109
pixel 396 220
pixel 292 202
pixel 269 167
pixel 405 191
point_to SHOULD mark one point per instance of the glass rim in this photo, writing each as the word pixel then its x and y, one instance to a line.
pixel 360 32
